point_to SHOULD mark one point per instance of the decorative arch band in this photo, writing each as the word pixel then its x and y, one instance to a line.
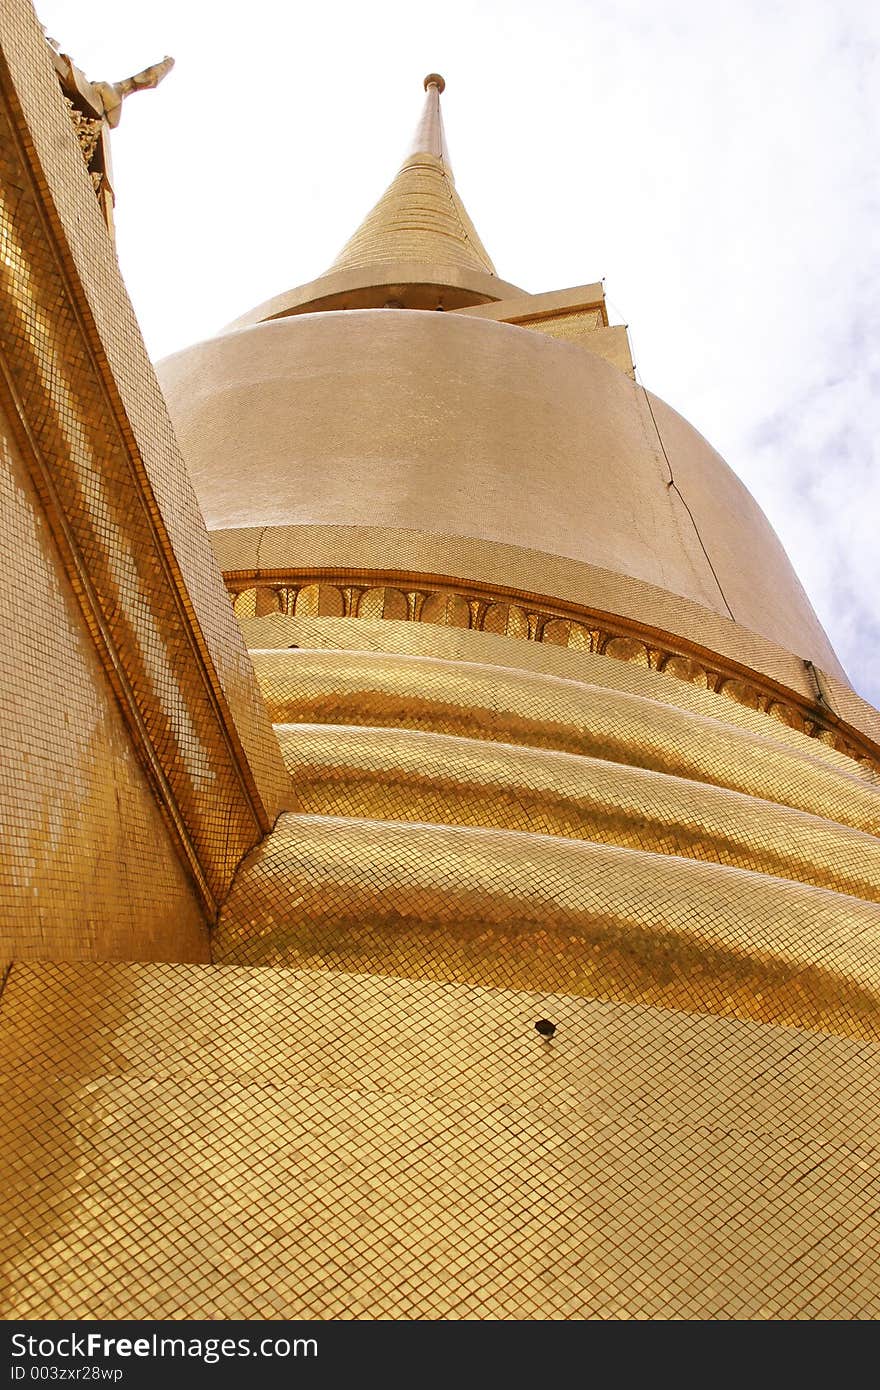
pixel 484 609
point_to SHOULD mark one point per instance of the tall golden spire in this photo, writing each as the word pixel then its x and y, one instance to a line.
pixel 420 217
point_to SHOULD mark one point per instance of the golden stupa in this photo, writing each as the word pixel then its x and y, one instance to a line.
pixel 558 740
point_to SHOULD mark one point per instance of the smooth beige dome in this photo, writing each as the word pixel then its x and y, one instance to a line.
pixel 462 426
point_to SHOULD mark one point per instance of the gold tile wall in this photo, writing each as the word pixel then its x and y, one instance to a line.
pixel 500 704
pixel 126 540
pixel 368 597
pixel 521 911
pixel 192 1142
pixel 110 344
pixel 404 774
pixel 88 866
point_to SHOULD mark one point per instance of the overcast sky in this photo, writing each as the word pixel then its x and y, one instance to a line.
pixel 716 162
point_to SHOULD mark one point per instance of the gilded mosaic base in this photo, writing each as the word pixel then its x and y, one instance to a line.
pixel 421 762
pixel 520 911
pixel 205 1142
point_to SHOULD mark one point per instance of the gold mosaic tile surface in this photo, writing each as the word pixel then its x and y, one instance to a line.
pixel 504 705
pixel 88 866
pixel 516 829
pixel 516 910
pixel 387 1135
pixel 403 774
pixel 185 1142
pixel 130 545
pixel 278 630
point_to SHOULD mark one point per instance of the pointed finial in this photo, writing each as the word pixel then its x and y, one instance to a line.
pixel 420 218
pixel 429 137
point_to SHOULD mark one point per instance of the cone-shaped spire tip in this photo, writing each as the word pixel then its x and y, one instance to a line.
pixel 420 219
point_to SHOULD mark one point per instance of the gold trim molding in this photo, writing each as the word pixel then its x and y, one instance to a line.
pixel 103 499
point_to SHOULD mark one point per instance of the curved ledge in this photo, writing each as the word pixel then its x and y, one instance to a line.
pixel 505 909
pixel 279 632
pixel 406 775
pixel 368 286
pixel 409 558
pixel 501 705
pixel 359 596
